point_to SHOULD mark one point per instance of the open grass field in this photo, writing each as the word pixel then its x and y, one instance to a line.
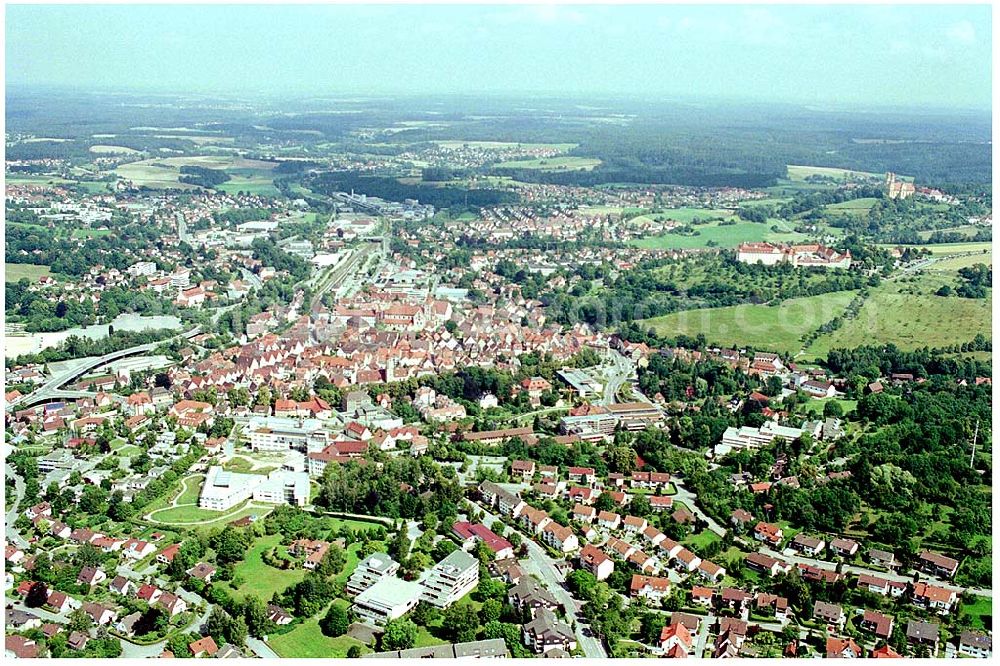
pixel 801 172
pixel 164 172
pixel 778 328
pixel 567 163
pixel 260 579
pixel 14 272
pixel 687 215
pixel 191 489
pixel 500 145
pixel 951 248
pixel 909 320
pixel 967 230
pixel 307 641
pixel 113 150
pixel 853 207
pixel 953 263
pixel 702 540
pixel 722 236
pixel 23 179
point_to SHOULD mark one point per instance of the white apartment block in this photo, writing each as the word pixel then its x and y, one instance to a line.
pixel 450 579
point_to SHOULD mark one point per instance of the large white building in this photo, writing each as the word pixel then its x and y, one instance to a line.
pixel 369 571
pixel 284 487
pixel 450 579
pixel 223 490
pixel 734 439
pixel 814 254
pixel 277 433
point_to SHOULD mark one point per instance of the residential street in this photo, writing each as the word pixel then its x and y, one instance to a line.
pixel 691 500
pixel 12 534
pixel 851 568
pixel 540 564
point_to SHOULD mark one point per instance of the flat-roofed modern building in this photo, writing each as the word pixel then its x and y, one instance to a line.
pixel 451 579
pixel 223 490
pixel 581 382
pixel 284 487
pixel 369 571
pixel 387 599
pixel 278 433
pixel 494 648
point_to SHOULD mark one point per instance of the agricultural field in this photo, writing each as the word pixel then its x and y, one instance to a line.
pixel 23 179
pixel 720 235
pixel 113 150
pixel 955 262
pixel 164 172
pixel 14 272
pixel 797 172
pixel 779 328
pixel 950 248
pixel 852 207
pixel 967 230
pixel 501 145
pixel 568 163
pixel 909 315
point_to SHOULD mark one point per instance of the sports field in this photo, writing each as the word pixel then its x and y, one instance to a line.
pixel 778 328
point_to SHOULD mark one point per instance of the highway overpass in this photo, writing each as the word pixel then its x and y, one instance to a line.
pixel 52 388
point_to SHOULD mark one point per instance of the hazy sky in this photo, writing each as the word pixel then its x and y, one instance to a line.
pixel 853 55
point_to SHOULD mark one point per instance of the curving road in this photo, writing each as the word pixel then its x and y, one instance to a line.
pixel 51 388
pixel 12 534
pixel 691 500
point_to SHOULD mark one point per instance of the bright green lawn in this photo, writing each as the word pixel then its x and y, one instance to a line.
pixel 982 608
pixel 729 235
pixel 702 540
pixel 779 328
pixel 14 272
pixel 260 579
pixel 307 641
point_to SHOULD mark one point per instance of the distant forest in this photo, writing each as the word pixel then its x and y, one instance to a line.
pixel 637 141
pixel 392 190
